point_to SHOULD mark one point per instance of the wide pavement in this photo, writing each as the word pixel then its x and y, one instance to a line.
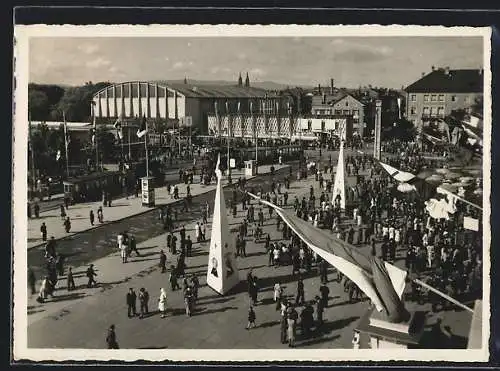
pixel 219 322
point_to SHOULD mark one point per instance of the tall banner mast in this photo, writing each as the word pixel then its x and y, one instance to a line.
pixel 339 183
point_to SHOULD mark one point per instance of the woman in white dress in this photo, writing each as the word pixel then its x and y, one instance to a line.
pixel 162 303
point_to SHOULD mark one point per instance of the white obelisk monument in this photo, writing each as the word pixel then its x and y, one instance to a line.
pixel 222 271
pixel 339 183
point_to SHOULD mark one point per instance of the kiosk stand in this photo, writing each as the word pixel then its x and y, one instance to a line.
pixel 148 192
pixel 250 168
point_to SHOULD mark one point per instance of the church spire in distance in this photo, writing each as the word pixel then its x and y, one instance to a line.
pixel 240 80
pixel 247 81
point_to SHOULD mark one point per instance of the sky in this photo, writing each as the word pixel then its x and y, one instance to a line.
pixel 390 62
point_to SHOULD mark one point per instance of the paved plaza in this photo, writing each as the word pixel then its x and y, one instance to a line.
pixel 79 319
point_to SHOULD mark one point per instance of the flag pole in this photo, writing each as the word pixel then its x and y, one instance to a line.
pixel 33 171
pixel 66 144
pixel 95 137
pixel 146 147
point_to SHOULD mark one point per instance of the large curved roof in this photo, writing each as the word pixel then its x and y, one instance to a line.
pixel 201 90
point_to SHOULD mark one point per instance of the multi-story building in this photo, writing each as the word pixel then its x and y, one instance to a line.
pixel 337 102
pixel 442 91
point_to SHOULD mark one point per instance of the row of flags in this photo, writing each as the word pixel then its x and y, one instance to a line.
pixel 251 107
pixel 143 128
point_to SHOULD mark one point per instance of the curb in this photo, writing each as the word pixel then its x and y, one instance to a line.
pixel 156 207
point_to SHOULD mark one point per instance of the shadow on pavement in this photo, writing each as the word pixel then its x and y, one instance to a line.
pixel 58 298
pixel 268 324
pixel 318 340
pixel 220 310
pixel 216 301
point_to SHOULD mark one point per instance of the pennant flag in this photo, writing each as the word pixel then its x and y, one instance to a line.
pixel 218 172
pixel 251 107
pixel 143 129
pixel 382 282
pixel 339 183
pixel 239 107
pixel 400 176
pixel 222 272
pixel 399 107
pixel 227 107
pixel 216 107
pixel 58 155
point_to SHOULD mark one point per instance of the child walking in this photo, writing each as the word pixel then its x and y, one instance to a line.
pixel 251 318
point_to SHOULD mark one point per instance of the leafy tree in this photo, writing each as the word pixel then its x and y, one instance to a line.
pixel 401 129
pixel 38 104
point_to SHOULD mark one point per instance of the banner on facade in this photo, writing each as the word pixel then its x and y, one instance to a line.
pixel 471 224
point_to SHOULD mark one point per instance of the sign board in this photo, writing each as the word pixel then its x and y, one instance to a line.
pixel 471 224
pixel 187 121
pixel 232 163
pixel 147 192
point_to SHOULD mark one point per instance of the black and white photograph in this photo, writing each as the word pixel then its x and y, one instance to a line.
pixel 251 193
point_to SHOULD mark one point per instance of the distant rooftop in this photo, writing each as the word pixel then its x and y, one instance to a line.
pixel 449 81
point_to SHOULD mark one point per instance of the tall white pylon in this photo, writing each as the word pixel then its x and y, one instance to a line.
pixel 222 271
pixel 339 184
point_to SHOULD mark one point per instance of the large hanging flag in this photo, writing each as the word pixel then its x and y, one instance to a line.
pixel 143 129
pixel 339 183
pixel 382 282
pixel 222 272
pixel 67 139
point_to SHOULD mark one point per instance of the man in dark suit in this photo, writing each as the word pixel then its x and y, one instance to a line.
pixel 131 303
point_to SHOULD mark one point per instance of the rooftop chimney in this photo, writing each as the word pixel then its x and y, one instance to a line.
pixel 319 89
pixel 331 87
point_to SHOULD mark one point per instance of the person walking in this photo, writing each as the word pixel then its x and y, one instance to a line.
pixel 278 292
pixel 283 321
pixel 319 312
pixel 70 281
pixel 111 338
pixel 131 303
pixel 37 210
pixel 163 261
pixel 133 247
pixel 32 281
pixel 162 303
pixel 63 212
pixel 91 217
pixel 300 292
pixel 43 231
pixel 143 302
pixel 323 271
pixel 67 224
pixel 173 279
pixel 189 246
pixel 100 215
pixel 251 318
pixel 292 322
pixel 90 275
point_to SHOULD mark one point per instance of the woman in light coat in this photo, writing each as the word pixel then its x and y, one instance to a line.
pixel 162 303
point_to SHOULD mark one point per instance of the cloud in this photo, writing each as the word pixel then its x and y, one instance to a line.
pixel 241 56
pixel 88 48
pixel 348 51
pixel 167 59
pixel 98 63
pixel 217 69
pixel 178 65
pixel 257 72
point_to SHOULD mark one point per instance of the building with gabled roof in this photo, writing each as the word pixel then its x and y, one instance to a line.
pixel 438 93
